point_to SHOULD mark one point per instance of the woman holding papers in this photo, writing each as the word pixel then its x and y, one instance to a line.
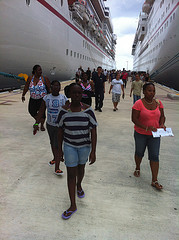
pixel 148 115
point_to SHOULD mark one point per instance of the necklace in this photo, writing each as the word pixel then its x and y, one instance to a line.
pixel 148 102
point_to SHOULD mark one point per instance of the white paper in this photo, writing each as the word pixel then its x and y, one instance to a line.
pixel 162 133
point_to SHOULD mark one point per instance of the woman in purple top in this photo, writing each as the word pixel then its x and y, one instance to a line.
pixel 77 129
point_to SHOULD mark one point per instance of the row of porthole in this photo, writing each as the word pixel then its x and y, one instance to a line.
pixel 172 18
pixel 154 60
pixel 28 2
pixel 77 55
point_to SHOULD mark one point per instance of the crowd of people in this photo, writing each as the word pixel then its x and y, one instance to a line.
pixel 71 125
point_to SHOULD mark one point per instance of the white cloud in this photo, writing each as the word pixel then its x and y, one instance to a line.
pixel 124 15
pixel 124 28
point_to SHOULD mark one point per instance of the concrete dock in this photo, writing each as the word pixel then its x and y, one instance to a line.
pixel 117 206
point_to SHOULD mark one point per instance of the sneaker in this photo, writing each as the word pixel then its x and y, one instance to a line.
pixel 51 163
pixel 58 172
pixel 100 110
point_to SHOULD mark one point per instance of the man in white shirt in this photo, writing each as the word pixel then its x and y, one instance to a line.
pixel 116 87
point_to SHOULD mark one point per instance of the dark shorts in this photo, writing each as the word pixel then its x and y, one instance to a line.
pixel 34 106
pixel 153 145
pixel 53 135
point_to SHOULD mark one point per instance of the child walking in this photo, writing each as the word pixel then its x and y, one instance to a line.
pixel 53 102
pixel 77 130
pixel 116 86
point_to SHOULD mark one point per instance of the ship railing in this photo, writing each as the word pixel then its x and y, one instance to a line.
pixel 21 81
pixel 11 76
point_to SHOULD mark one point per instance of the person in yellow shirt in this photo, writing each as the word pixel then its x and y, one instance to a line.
pixel 136 88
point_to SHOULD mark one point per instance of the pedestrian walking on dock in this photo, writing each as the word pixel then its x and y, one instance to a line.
pixel 124 77
pixel 99 85
pixel 53 103
pixel 136 88
pixel 77 130
pixel 148 115
pixel 116 87
pixel 38 86
pixel 88 89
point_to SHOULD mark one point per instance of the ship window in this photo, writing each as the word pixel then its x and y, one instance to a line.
pixel 61 3
pixel 174 16
pixel 28 2
pixel 67 52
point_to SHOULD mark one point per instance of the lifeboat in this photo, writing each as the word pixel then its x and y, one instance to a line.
pixel 149 1
pixel 85 17
pixel 146 7
pixel 93 28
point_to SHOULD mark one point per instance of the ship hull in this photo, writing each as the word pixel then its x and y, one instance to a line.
pixel 158 53
pixel 43 33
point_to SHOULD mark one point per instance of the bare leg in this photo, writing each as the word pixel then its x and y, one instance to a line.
pixel 71 180
pixel 154 169
pixel 138 161
pixel 115 104
pixel 80 176
pixel 42 124
pixel 42 120
pixel 56 156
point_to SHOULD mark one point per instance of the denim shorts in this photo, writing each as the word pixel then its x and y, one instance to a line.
pixel 135 98
pixel 153 144
pixel 75 156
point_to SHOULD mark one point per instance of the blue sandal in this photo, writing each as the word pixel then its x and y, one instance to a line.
pixel 67 212
pixel 80 194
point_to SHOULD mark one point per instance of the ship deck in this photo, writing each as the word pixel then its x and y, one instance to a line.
pixel 116 206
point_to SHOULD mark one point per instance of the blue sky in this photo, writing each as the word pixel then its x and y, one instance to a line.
pixel 124 14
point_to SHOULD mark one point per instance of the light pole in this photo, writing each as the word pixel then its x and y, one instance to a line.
pixel 127 65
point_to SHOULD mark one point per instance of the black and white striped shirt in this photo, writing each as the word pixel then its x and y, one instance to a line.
pixel 77 126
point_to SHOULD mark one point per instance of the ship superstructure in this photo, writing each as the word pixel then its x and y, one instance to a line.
pixel 155 47
pixel 60 35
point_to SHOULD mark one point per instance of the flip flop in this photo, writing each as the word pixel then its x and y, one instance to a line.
pixel 67 212
pixel 137 173
pixel 157 185
pixel 79 194
pixel 58 172
pixel 51 163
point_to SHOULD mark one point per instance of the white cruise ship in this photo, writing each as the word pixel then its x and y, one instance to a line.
pixel 156 43
pixel 60 35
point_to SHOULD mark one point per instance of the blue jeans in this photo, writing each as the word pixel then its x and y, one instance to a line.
pixel 75 156
pixel 135 98
pixel 153 144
